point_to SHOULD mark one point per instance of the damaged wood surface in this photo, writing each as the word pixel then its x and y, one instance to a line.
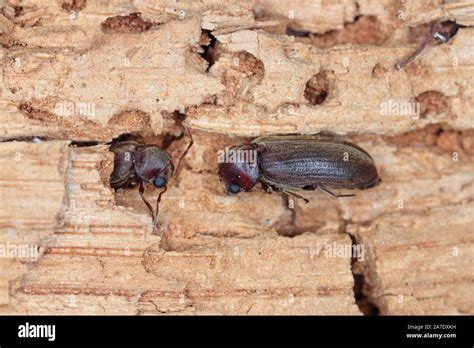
pixel 64 93
pixel 357 95
pixel 56 78
pixel 418 12
pixel 103 258
pixel 76 75
pixel 414 262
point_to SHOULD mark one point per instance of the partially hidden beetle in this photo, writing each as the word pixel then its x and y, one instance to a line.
pixel 442 32
pixel 141 164
pixel 295 162
pixel 138 163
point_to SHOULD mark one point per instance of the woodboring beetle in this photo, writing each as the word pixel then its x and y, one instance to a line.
pixel 298 162
pixel 143 164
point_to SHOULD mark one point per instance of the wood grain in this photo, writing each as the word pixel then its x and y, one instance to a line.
pixel 75 78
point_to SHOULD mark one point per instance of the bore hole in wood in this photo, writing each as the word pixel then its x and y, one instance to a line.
pixel 317 88
pixel 431 102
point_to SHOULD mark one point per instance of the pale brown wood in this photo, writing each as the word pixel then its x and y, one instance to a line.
pixel 421 263
pixel 76 78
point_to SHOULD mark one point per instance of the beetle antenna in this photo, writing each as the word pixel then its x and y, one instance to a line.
pixel 191 142
pixel 335 195
pixel 296 195
pixel 421 47
pixel 141 190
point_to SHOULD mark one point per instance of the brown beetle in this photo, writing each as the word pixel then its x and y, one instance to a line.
pixel 295 162
pixel 138 163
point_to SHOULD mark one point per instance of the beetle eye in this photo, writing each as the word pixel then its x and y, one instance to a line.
pixel 233 188
pixel 160 181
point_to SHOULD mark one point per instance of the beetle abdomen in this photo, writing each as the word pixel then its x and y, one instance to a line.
pixel 313 162
pixel 122 164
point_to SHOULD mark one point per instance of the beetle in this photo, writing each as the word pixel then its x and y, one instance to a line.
pixel 287 163
pixel 143 164
pixel 138 163
pixel 442 32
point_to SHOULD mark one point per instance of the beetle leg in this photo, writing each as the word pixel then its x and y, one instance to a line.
pixel 158 200
pixel 421 47
pixel 191 142
pixel 296 195
pixel 141 190
pixel 266 188
pixel 334 194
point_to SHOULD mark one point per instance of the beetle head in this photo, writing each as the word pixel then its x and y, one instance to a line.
pixel 152 164
pixel 238 170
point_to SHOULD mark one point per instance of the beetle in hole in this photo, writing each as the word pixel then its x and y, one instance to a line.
pixel 141 164
pixel 289 163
